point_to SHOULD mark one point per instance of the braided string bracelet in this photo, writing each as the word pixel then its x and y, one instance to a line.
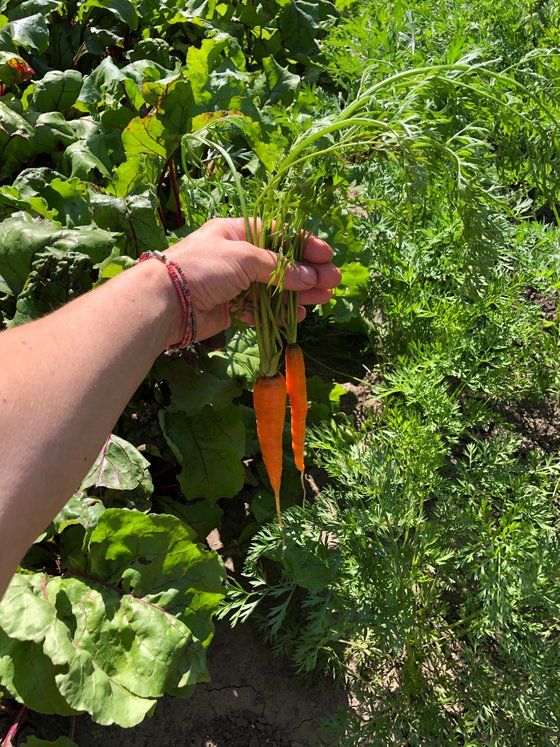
pixel 183 291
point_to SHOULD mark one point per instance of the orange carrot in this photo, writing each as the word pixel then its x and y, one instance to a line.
pixel 269 401
pixel 297 392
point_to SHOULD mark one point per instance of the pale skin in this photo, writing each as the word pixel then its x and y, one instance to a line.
pixel 66 378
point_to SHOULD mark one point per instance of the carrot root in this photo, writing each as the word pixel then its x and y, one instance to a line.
pixel 269 401
pixel 297 392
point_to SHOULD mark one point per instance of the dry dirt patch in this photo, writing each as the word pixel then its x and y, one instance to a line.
pixel 253 700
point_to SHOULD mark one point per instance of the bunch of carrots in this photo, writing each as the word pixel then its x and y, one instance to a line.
pixel 275 311
pixel 271 388
pixel 269 400
pixel 383 118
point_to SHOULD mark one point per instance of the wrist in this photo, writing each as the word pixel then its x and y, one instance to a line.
pixel 164 303
pixel 182 288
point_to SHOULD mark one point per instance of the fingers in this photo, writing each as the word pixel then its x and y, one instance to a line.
pixel 327 276
pixel 261 265
pixel 221 265
pixel 316 250
pixel 247 316
pixel 243 306
pixel 315 296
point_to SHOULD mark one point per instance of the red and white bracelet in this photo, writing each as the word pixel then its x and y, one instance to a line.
pixel 183 291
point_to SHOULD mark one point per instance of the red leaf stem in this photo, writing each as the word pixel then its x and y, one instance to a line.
pixel 14 728
pixel 174 184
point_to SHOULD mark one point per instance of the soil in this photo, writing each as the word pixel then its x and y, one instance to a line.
pixel 351 369
pixel 253 700
pixel 538 424
pixel 548 303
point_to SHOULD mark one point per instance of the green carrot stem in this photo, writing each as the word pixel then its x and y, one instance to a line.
pixel 239 187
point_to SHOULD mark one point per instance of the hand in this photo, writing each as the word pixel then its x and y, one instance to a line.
pixel 221 264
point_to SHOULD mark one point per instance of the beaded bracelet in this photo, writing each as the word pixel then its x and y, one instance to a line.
pixel 183 291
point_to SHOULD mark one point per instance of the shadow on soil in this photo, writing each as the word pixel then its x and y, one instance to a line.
pixel 253 700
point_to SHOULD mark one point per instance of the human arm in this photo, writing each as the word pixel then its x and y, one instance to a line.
pixel 66 378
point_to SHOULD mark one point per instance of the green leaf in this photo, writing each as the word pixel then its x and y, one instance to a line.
pixel 36 742
pixel 268 147
pixel 57 91
pixel 134 175
pixel 67 199
pixel 209 447
pixel 156 556
pixel 145 136
pixel 20 239
pixel 119 466
pixel 96 145
pixel 15 140
pixel 109 84
pixel 29 675
pixel 144 72
pixel 242 356
pixel 202 61
pixel 65 44
pixel 105 143
pixel 11 197
pixel 51 129
pixel 251 439
pixel 25 611
pixel 138 498
pixel 160 132
pixel 129 621
pixel 324 397
pixel 217 75
pixel 43 268
pixel 192 389
pixel 200 8
pixel 70 198
pixel 351 294
pixel 81 509
pixel 83 162
pixel 281 85
pixel 254 16
pixel 203 516
pixel 93 241
pixel 32 7
pixel 308 563
pixel 30 32
pixel 177 107
pixel 55 278
pixel 157 51
pixel 124 10
pixel 299 24
pixel 98 40
pixel 135 216
pixel 112 266
pixel 104 84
